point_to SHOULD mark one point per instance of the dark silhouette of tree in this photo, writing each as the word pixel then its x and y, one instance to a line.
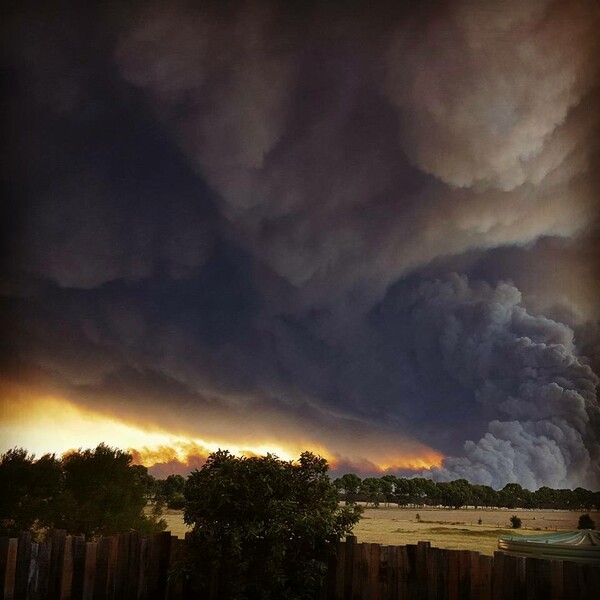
pixel 170 491
pixel 103 494
pixel 349 486
pixel 268 523
pixel 586 522
pixel 31 491
pixel 371 490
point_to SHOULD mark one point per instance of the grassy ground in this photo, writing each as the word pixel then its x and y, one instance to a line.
pixel 453 529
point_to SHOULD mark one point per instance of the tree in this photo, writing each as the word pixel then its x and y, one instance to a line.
pixel 349 485
pixel 586 522
pixel 371 490
pixel 455 493
pixel 388 488
pixel 171 490
pixel 267 523
pixel 103 494
pixel 515 522
pixel 31 491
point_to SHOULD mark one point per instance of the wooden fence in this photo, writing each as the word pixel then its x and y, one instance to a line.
pixel 129 567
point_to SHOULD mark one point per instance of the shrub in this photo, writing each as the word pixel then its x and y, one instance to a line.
pixel 515 522
pixel 87 492
pixel 586 522
pixel 177 501
pixel 265 524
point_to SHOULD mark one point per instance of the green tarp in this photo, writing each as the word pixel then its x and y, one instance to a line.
pixel 580 546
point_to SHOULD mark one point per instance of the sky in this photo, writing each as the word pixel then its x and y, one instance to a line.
pixel 368 231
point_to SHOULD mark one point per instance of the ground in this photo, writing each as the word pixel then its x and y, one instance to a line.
pixel 453 529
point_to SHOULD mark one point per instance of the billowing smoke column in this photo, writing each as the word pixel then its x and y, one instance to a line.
pixel 524 372
pixel 375 225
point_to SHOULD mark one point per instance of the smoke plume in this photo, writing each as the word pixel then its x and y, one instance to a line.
pixel 370 230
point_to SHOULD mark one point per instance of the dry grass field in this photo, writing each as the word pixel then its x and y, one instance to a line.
pixel 453 529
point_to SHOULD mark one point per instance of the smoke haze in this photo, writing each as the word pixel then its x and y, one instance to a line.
pixel 369 231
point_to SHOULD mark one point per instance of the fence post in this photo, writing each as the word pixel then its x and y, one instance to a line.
pixel 112 569
pixel 373 583
pixel 160 552
pixel 66 574
pixel 78 561
pixel 497 575
pixel 43 577
pixel 103 548
pixel 57 549
pixel 421 569
pixel 340 563
pixel 22 566
pixel 11 567
pixel 349 562
pixel 175 583
pixel 591 580
pixel 433 559
pixel 133 567
pixel 90 571
pixel 484 584
pixel 453 580
pixel 464 573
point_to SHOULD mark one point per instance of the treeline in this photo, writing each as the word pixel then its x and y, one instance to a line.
pixel 87 492
pixel 418 492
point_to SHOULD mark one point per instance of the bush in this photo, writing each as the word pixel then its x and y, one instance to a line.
pixel 586 522
pixel 176 501
pixel 515 522
pixel 87 492
pixel 266 524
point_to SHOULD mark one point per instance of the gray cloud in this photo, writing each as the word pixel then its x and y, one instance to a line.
pixel 362 224
pixel 526 374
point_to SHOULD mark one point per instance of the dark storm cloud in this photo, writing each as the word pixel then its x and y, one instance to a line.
pixel 238 214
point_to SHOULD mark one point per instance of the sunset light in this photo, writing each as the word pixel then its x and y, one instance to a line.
pixel 34 425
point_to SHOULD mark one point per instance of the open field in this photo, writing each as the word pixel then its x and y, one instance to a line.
pixel 452 529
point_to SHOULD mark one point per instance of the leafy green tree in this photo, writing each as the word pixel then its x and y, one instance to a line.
pixel 423 491
pixel 268 523
pixel 513 495
pixel 103 494
pixel 586 522
pixel 31 491
pixel 349 485
pixel 484 495
pixel 151 484
pixel 371 491
pixel 171 490
pixel 388 488
pixel 403 491
pixel 455 493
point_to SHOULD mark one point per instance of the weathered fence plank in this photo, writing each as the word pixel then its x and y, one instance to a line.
pixel 11 568
pixel 90 570
pixel 103 549
pixel 340 550
pixel 4 541
pixel 348 567
pixel 133 568
pixel 57 545
pixel 129 568
pixel 112 568
pixel 484 591
pixel 66 585
pixel 78 551
pixel 22 566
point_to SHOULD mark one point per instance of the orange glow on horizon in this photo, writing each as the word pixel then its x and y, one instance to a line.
pixel 52 425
